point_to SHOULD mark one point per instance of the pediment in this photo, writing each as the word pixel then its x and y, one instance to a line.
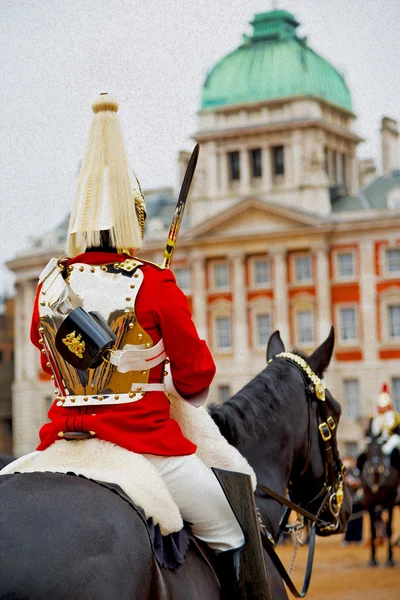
pixel 253 217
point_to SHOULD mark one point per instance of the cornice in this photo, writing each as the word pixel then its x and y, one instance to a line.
pixel 294 124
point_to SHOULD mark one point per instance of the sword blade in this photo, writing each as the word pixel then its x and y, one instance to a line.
pixel 180 207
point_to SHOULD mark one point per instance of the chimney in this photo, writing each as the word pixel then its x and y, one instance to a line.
pixel 390 146
pixel 366 171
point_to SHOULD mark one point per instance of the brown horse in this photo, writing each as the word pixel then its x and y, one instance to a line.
pixel 63 536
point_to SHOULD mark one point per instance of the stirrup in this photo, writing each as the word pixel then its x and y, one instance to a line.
pixel 238 490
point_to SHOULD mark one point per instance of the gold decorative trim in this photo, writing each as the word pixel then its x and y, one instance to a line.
pixel 318 385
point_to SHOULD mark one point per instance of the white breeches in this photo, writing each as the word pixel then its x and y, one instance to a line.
pixel 200 499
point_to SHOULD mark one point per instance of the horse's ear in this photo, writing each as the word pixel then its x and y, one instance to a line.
pixel 275 345
pixel 320 359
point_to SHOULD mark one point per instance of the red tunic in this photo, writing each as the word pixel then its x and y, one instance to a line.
pixel 144 426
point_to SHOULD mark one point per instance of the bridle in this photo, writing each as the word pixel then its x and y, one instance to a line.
pixel 331 494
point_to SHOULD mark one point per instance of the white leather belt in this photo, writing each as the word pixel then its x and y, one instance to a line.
pixel 137 392
pixel 138 357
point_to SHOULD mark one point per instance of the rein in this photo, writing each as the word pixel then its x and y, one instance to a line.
pixel 332 491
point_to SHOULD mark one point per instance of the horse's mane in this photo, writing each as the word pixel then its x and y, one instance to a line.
pixel 252 411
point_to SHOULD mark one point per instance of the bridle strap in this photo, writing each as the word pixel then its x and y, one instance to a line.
pixel 285 502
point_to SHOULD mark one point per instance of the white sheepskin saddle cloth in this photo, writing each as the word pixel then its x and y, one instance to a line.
pixel 103 461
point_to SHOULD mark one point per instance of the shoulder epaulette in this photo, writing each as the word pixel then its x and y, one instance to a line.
pixel 53 264
pixel 153 264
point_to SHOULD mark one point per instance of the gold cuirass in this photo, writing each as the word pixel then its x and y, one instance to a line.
pixel 110 290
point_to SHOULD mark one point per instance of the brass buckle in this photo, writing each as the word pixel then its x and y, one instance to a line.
pixel 331 422
pixel 325 432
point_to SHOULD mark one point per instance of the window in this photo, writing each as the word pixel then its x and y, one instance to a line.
pixel 348 324
pixel 221 276
pixel 346 264
pixel 1 356
pixel 256 168
pixel 261 272
pixel 393 260
pixel 305 327
pixel 303 268
pixel 394 321
pixel 224 393
pixel 182 275
pixel 263 329
pixel 396 392
pixel 234 165
pixel 352 398
pixel 278 167
pixel 223 332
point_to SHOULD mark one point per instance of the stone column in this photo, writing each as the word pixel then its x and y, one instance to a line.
pixel 224 173
pixel 27 406
pixel 352 175
pixel 239 311
pixel 199 292
pixel 266 168
pixel 373 372
pixel 339 168
pixel 30 353
pixel 298 162
pixel 368 336
pixel 322 285
pixel 280 286
pixel 212 170
pixel 244 171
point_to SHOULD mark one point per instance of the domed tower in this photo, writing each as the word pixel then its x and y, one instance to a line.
pixel 275 122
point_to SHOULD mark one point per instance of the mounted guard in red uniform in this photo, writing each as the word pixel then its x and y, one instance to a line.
pixel 116 335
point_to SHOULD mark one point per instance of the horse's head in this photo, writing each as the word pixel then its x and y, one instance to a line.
pixel 376 470
pixel 316 475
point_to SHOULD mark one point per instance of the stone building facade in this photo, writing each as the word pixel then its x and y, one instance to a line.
pixel 285 230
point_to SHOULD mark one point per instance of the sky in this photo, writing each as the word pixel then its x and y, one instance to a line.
pixel 56 56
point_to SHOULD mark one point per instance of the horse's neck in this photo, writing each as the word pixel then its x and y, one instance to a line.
pixel 272 466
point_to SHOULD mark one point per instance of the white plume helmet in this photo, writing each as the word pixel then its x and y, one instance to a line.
pixel 105 198
pixel 384 400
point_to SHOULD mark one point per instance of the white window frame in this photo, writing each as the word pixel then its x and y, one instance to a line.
pixel 347 306
pixel 294 258
pixel 217 347
pixel 390 297
pixel 252 266
pixel 212 273
pixel 384 249
pixel 387 270
pixel 257 315
pixel 389 306
pixel 183 268
pixel 261 305
pixel 300 343
pixel 338 275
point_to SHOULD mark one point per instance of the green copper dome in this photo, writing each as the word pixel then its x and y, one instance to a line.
pixel 273 63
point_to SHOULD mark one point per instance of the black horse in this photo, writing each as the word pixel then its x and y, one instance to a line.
pixel 63 536
pixel 380 481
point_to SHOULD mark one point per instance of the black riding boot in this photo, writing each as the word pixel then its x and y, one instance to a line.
pixel 227 565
